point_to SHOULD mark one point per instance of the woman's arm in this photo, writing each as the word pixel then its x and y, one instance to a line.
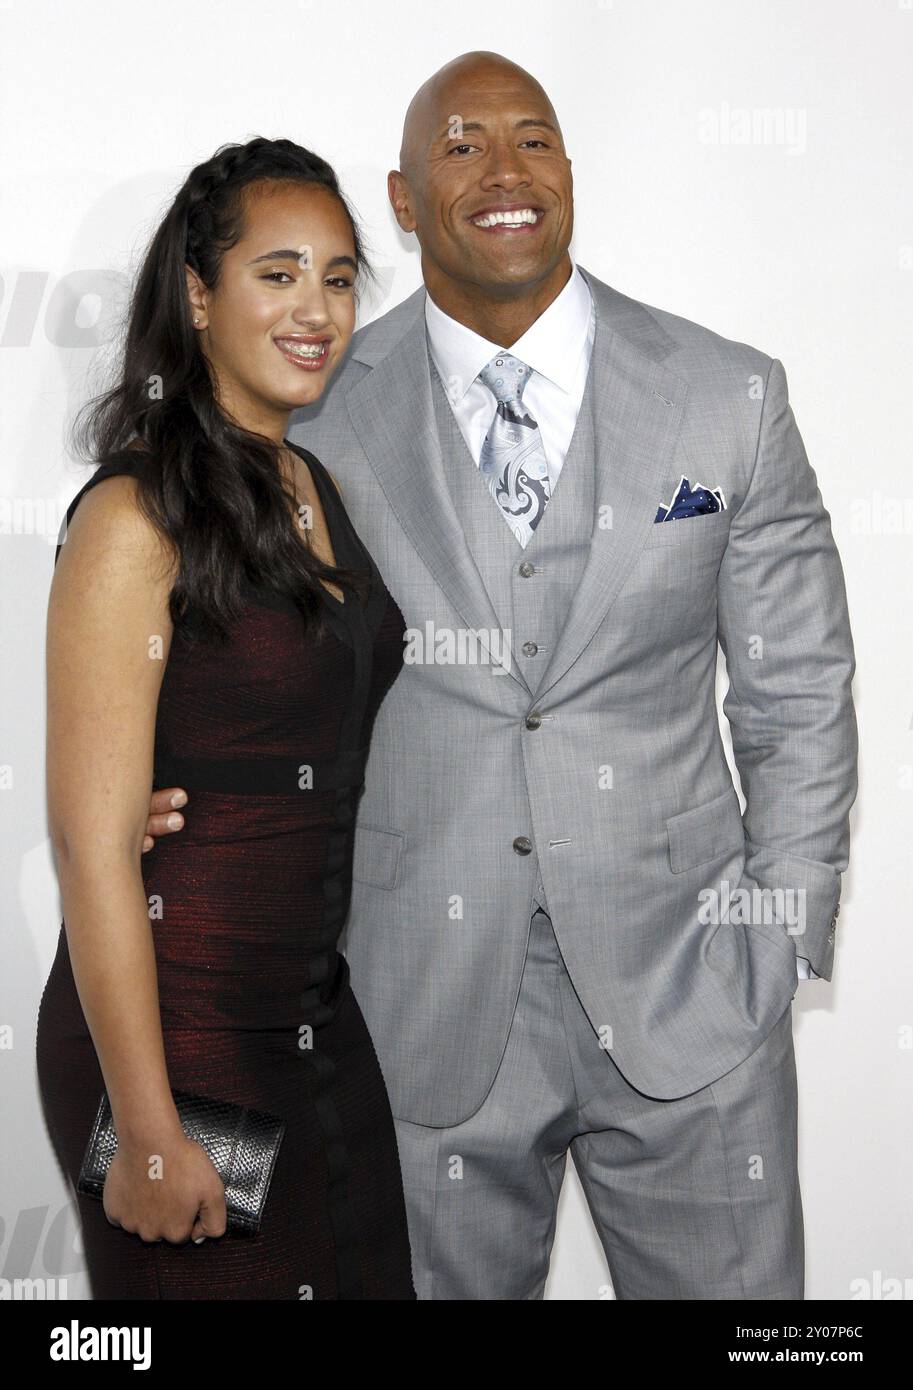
pixel 108 639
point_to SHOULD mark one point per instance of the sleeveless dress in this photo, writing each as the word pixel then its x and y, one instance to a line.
pixel 269 736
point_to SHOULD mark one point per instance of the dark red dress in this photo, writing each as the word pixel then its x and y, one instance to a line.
pixel 269 737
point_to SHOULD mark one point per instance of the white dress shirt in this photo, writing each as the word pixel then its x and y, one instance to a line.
pixel 557 349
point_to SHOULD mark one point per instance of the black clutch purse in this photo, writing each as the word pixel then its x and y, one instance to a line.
pixel 242 1143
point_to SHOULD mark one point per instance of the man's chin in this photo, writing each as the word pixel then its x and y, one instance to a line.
pixel 512 273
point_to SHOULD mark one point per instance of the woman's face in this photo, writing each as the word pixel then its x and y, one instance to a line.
pixel 279 321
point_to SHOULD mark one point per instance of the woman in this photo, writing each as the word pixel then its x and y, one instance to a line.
pixel 215 620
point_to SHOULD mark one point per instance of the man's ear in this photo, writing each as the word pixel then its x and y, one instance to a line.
pixel 398 193
pixel 196 296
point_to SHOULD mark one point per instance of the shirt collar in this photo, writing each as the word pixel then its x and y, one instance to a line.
pixel 551 346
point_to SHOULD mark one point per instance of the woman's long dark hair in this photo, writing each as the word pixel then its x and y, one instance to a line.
pixel 212 488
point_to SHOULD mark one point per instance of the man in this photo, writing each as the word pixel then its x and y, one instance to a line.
pixel 564 935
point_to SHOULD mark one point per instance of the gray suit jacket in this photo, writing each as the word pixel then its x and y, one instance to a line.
pixel 624 790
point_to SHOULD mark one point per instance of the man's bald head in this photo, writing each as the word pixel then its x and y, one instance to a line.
pixel 439 98
pixel 486 186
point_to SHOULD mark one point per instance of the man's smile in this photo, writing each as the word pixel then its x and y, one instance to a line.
pixel 513 219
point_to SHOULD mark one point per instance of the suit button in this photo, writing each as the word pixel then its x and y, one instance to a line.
pixel 529 649
pixel 534 720
pixel 527 570
pixel 523 845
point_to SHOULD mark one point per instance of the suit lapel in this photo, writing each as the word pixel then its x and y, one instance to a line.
pixel 640 406
pixel 392 412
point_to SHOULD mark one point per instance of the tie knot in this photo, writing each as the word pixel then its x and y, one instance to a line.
pixel 505 377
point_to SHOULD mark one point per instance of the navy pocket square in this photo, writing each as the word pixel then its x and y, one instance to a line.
pixel 691 501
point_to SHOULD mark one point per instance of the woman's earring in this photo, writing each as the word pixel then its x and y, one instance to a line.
pixel 196 318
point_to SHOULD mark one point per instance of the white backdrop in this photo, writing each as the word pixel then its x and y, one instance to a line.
pixel 744 163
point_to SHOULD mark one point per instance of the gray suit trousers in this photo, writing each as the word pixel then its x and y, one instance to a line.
pixel 693 1198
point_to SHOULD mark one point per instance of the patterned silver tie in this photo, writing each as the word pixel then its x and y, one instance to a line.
pixel 512 460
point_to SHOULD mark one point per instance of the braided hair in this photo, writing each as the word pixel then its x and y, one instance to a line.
pixel 212 488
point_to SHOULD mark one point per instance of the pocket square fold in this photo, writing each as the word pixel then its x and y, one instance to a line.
pixel 691 501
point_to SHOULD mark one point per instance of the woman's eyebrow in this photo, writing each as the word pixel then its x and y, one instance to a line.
pixel 288 255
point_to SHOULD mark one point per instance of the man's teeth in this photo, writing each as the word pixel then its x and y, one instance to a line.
pixel 302 349
pixel 510 219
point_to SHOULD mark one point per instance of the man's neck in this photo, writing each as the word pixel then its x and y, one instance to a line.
pixel 501 320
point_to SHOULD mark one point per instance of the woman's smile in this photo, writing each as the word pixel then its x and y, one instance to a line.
pixel 307 352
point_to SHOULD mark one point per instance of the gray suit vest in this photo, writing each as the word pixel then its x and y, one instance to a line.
pixel 531 589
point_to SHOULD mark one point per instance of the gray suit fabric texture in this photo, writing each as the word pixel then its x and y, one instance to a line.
pixel 589 777
pixel 694 1198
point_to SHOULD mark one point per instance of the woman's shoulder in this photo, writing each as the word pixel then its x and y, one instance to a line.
pixel 106 523
pixel 127 467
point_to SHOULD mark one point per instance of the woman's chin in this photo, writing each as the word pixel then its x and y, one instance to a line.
pixel 298 387
pixel 306 394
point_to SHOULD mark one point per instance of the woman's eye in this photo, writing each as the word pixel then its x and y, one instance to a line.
pixel 340 282
pixel 276 276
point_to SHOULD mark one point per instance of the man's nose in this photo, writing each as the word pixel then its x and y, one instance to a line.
pixel 506 166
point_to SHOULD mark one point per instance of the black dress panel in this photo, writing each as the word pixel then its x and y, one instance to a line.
pixel 269 736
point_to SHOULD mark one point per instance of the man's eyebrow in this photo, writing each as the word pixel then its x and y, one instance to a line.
pixel 288 255
pixel 528 122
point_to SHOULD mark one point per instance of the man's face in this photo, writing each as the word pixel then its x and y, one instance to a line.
pixel 488 188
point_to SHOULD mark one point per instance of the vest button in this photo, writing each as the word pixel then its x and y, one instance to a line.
pixel 529 649
pixel 523 845
pixel 534 720
pixel 526 569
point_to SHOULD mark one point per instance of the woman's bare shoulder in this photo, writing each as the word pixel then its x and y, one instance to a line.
pixel 110 534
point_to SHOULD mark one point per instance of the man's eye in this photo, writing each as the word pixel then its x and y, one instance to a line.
pixel 536 141
pixel 457 148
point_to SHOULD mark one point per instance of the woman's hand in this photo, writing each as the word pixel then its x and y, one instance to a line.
pixel 172 1194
